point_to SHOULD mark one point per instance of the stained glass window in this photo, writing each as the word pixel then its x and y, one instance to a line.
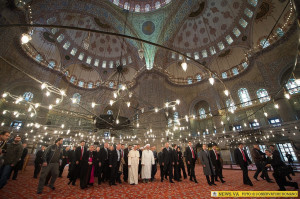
pixel 28 96
pixel 262 95
pixel 244 97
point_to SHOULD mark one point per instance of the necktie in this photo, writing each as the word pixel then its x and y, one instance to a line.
pixel 244 157
pixel 216 155
pixel 192 152
pixel 81 153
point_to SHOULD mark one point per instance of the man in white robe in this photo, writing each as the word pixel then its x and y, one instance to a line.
pixel 133 166
pixel 147 162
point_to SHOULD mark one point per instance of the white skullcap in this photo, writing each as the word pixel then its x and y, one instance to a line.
pixel 147 145
pixel 141 148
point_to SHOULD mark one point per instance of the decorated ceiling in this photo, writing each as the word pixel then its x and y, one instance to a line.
pixel 220 35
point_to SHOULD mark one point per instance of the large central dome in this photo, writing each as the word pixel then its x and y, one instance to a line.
pixel 141 5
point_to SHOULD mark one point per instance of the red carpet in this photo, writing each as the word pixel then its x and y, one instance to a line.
pixel 25 187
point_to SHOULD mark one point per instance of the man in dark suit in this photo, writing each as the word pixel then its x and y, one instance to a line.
pixel 280 171
pixel 260 163
pixel 114 158
pixel 79 152
pixel 168 161
pixel 215 159
pixel 181 164
pixel 154 167
pixel 176 163
pixel 65 160
pixel 160 161
pixel 38 162
pixel 125 166
pixel 104 169
pixel 190 159
pixel 72 165
pixel 275 152
pixel 242 159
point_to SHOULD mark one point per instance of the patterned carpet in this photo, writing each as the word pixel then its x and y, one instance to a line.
pixel 25 187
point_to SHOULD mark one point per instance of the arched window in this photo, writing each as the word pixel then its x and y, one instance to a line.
pixel 263 95
pixel 137 8
pixel 198 77
pixel 189 80
pixel 51 20
pixel 28 96
pixel 244 97
pixel 60 38
pixel 230 105
pixel 116 2
pixel 175 117
pixel 90 85
pixel 66 45
pixel 77 97
pixel 51 64
pixel 264 43
pixel 202 113
pixel 147 8
pixel 39 58
pixel 80 83
pixel 73 79
pixel 157 5
pixel 111 84
pixel 126 6
pixel 110 112
pixel 292 86
pixel 279 32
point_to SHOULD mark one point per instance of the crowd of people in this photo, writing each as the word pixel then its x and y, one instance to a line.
pixel 133 163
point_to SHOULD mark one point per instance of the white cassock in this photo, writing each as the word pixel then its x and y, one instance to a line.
pixel 133 162
pixel 147 162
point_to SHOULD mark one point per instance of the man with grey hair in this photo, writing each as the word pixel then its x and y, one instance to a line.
pixel 147 162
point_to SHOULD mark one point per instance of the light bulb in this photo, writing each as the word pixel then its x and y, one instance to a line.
pixel 117 121
pixel 2 124
pixel 4 95
pixel 31 114
pixel 115 95
pixel 93 104
pixel 137 125
pixel 186 118
pixel 287 96
pixel 276 106
pixel 156 110
pixel 226 92
pixel 177 101
pixel 123 87
pixel 128 104
pixel 62 92
pixel 36 105
pixel 4 112
pixel 50 107
pixel 62 126
pixel 74 100
pixel 111 102
pixel 43 86
pixel 266 114
pixel 25 38
pixel 57 101
pixel 211 80
pixel 184 66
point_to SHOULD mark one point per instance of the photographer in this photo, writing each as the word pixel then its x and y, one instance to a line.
pixel 280 171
